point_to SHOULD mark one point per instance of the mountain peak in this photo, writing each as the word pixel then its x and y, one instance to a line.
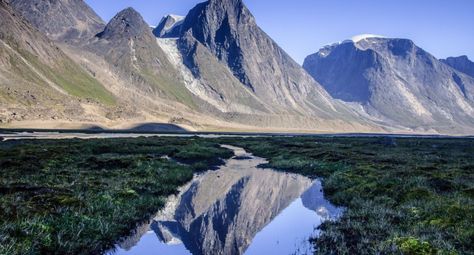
pixel 358 38
pixel 61 20
pixel 213 14
pixel 461 63
pixel 129 16
pixel 462 57
pixel 127 23
pixel 169 26
pixel 394 80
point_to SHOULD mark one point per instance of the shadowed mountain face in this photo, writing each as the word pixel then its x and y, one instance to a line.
pixel 169 26
pixel 61 20
pixel 397 82
pixel 221 212
pixel 461 63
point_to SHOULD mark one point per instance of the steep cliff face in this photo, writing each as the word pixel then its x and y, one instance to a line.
pixel 461 63
pixel 39 81
pixel 61 20
pixel 229 32
pixel 397 82
pixel 169 26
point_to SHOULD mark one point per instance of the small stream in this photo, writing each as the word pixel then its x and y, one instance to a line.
pixel 238 209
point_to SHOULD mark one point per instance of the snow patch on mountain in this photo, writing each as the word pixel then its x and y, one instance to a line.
pixel 177 20
pixel 361 37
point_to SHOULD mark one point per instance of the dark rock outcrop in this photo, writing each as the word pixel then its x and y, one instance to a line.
pixel 170 26
pixel 461 63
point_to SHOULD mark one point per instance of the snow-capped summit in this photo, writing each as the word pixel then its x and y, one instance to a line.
pixel 169 26
pixel 325 50
pixel 396 81
pixel 175 17
pixel 358 38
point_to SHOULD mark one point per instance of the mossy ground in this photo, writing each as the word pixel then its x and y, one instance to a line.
pixel 403 196
pixel 80 197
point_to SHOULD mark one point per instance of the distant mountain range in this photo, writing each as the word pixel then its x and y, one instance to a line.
pixel 215 69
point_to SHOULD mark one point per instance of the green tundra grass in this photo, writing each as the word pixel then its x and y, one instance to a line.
pixel 80 197
pixel 402 196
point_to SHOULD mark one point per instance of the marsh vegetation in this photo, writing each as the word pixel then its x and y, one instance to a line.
pixel 81 196
pixel 402 196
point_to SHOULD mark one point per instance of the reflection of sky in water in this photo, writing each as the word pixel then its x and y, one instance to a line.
pixel 238 208
pixel 288 233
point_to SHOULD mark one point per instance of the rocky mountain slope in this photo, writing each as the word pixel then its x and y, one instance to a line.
pixel 128 44
pixel 38 80
pixel 61 20
pixel 215 69
pixel 461 63
pixel 397 82
pixel 239 68
pixel 123 56
pixel 181 79
pixel 169 26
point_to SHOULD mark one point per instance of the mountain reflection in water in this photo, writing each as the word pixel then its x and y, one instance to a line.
pixel 238 209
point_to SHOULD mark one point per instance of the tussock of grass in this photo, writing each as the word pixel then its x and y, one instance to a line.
pixel 80 197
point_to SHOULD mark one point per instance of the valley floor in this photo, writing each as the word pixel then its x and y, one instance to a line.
pixel 403 195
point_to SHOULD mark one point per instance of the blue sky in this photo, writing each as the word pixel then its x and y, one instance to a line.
pixel 442 27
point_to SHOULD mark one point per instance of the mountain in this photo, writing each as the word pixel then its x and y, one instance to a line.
pixel 240 70
pixel 169 26
pixel 173 75
pixel 227 29
pixel 216 69
pixel 61 20
pixel 123 56
pixel 129 45
pixel 461 63
pixel 38 80
pixel 396 82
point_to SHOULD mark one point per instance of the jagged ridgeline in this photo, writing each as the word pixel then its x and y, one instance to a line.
pixel 214 69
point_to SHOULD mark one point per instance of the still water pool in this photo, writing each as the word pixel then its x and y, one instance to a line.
pixel 238 209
